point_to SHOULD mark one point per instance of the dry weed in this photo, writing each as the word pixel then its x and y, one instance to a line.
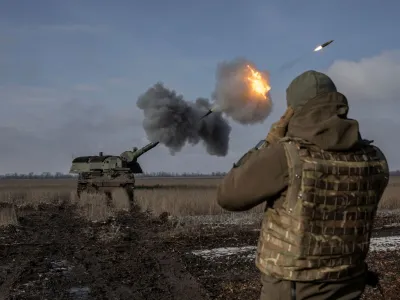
pixel 8 214
pixel 391 197
pixel 176 201
pixel 34 197
pixel 110 233
pixel 93 206
pixel 214 221
pixel 98 207
pixel 179 182
pixel 73 198
pixel 120 200
pixel 394 181
pixel 202 201
pixel 55 184
pixel 177 196
pixel 182 202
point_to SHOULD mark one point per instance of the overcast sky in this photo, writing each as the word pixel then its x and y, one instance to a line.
pixel 71 71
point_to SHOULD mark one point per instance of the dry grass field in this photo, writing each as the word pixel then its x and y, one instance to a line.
pixel 198 196
pixel 177 196
pixel 45 228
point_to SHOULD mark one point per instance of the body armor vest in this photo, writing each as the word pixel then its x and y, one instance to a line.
pixel 323 229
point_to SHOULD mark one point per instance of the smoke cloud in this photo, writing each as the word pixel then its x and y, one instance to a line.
pixel 173 121
pixel 233 93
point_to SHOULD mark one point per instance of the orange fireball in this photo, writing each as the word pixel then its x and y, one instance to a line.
pixel 258 83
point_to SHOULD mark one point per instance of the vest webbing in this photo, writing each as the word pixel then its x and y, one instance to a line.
pixel 323 230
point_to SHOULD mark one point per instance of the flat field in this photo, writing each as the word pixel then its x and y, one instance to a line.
pixel 175 244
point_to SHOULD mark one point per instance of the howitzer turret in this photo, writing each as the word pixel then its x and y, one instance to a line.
pixel 106 173
pixel 131 157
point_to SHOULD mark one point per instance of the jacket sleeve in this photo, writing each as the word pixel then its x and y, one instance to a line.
pixel 262 177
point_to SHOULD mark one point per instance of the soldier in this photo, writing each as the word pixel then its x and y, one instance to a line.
pixel 322 184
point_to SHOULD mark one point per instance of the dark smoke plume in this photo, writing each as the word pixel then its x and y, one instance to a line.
pixel 172 121
pixel 233 95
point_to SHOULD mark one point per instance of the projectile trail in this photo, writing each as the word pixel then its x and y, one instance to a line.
pixel 322 46
pixel 209 112
pixel 284 66
pixel 173 121
pixel 326 44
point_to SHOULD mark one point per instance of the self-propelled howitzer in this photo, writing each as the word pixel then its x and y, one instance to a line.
pixel 109 173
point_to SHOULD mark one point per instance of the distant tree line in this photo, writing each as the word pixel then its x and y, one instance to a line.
pixel 185 174
pixel 395 173
pixel 59 175
pixel 31 175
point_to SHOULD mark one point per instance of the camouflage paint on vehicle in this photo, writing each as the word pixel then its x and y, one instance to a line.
pixel 106 173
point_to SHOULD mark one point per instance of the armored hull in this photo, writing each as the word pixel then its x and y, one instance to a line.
pixel 109 174
pixel 103 174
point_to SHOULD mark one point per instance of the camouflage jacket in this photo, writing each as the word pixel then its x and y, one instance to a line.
pixel 322 231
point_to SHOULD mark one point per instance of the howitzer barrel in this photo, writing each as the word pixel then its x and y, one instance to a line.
pixel 143 150
pixel 131 156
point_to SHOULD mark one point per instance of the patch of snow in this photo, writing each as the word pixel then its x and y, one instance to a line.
pixel 248 218
pixel 377 244
pixel 80 293
pixel 223 251
pixel 385 243
pixel 61 266
pixel 388 212
pixel 391 225
pixel 222 219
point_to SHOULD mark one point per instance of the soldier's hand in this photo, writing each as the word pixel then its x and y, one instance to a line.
pixel 278 129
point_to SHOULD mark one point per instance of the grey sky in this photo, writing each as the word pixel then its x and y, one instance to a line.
pixel 71 71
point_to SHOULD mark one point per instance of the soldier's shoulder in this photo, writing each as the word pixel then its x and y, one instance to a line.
pixel 274 152
pixel 379 153
pixel 370 144
pixel 375 152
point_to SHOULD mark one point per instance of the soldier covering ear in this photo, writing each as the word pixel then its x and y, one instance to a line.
pixel 313 239
pixel 278 131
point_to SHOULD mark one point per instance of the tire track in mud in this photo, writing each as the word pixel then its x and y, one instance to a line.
pixel 55 255
pixel 222 258
pixel 180 280
pixel 6 286
pixel 383 239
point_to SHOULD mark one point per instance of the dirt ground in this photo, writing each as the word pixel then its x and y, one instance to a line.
pixel 229 274
pixel 54 254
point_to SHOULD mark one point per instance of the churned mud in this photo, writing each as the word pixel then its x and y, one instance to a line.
pixel 223 259
pixel 53 253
